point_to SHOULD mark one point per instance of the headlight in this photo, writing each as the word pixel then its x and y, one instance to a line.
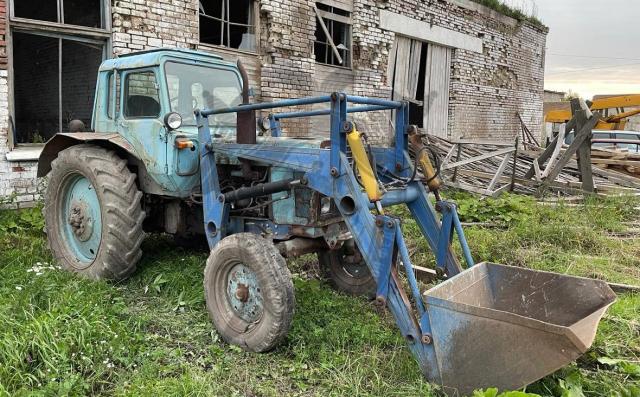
pixel 173 121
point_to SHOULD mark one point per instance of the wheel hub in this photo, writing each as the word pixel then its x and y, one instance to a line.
pixel 354 265
pixel 244 294
pixel 80 221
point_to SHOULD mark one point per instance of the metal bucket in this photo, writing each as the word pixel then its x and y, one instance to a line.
pixel 506 327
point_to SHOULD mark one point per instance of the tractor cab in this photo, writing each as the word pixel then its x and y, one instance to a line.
pixel 149 99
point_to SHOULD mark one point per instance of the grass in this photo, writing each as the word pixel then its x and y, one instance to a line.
pixel 150 335
pixel 505 9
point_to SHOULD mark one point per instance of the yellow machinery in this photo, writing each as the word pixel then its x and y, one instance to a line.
pixel 609 122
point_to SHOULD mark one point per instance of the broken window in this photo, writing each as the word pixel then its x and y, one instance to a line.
pixel 87 13
pixel 228 23
pixel 54 83
pixel 332 44
pixel 142 95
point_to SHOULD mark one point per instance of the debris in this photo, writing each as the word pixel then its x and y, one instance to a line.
pixel 488 168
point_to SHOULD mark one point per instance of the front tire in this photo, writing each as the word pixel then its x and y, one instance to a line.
pixel 249 292
pixel 93 217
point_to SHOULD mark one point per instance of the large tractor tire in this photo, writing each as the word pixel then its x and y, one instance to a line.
pixel 92 213
pixel 249 292
pixel 347 271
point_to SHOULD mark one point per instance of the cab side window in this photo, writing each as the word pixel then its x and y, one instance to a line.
pixel 142 97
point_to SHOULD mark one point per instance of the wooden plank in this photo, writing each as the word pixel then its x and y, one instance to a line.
pixel 414 68
pixel 503 166
pixel 391 67
pixel 515 165
pixel 536 167
pixel 543 157
pixel 478 158
pixel 400 91
pixel 627 163
pixel 623 288
pixel 436 90
pixel 554 155
pixel 482 142
pixel 501 190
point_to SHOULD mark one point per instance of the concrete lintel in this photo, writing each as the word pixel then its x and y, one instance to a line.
pixel 423 31
pixel 27 153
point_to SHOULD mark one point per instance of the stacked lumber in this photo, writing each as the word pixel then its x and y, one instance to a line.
pixel 490 168
pixel 619 160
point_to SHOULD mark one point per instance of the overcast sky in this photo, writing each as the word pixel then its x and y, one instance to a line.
pixel 593 46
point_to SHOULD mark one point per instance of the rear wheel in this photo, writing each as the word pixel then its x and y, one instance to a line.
pixel 92 213
pixel 249 292
pixel 347 271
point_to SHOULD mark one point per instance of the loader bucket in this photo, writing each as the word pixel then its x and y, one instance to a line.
pixel 506 327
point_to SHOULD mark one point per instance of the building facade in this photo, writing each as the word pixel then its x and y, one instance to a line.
pixel 465 69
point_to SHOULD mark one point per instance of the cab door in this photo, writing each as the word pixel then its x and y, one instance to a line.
pixel 141 122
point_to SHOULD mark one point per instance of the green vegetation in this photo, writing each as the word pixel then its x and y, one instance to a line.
pixel 502 8
pixel 150 335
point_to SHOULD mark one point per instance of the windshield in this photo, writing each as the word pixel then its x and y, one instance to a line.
pixel 203 87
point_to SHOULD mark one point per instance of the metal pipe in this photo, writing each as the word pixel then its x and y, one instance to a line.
pixel 395 197
pixel 463 240
pixel 262 189
pixel 408 267
pixel 325 112
pixel 268 105
pixel 374 101
pixel 246 120
pixel 300 246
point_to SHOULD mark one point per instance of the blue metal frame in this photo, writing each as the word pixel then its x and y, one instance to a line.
pixel 329 172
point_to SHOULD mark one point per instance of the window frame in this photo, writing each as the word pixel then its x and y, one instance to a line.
pixel 255 9
pixel 333 17
pixel 124 93
pixel 163 67
pixel 105 18
pixel 51 29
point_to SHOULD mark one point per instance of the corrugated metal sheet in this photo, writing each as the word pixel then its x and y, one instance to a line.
pixel 436 90
pixel 329 79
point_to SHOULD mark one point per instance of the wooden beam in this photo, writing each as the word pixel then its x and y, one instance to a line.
pixel 581 136
pixel 328 35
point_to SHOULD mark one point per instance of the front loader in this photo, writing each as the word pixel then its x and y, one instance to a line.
pixel 259 199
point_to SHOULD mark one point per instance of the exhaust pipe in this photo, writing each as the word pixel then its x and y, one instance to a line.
pixel 246 122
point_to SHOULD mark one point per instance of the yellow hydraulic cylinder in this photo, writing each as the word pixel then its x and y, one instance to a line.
pixel 433 182
pixel 367 175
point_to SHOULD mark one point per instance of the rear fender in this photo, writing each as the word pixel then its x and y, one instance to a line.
pixel 62 141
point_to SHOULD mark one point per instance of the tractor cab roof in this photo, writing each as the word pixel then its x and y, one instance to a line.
pixel 150 58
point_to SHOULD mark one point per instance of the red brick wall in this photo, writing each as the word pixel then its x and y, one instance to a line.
pixel 3 36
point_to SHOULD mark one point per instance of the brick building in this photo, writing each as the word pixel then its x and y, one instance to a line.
pixel 465 68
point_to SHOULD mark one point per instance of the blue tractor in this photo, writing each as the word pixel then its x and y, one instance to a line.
pixel 174 148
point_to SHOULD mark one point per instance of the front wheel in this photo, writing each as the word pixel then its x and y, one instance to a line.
pixel 249 292
pixel 92 213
